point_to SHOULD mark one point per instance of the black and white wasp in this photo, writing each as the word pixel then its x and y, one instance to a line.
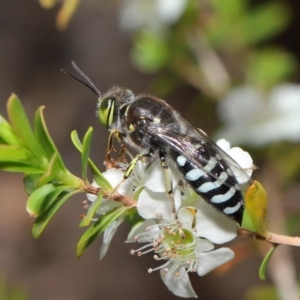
pixel 154 129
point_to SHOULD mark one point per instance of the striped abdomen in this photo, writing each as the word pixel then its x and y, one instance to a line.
pixel 223 193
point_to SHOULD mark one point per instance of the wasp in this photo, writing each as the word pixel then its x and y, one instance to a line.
pixel 152 128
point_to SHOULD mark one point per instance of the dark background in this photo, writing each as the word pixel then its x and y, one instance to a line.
pixel 32 52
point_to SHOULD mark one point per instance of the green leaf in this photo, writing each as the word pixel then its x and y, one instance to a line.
pixel 99 178
pixel 42 221
pixel 17 159
pixel 151 52
pixel 42 198
pixel 43 137
pixel 76 141
pixel 52 171
pixel 133 218
pixel 30 182
pixel 230 9
pixel 265 22
pixel 14 153
pixel 20 123
pixel 269 66
pixel 7 133
pixel 97 228
pixel 86 146
pixel 264 264
pixel 256 202
pixel 92 210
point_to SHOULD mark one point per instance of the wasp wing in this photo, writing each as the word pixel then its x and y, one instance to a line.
pixel 199 149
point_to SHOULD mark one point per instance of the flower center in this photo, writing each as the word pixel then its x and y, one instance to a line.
pixel 173 243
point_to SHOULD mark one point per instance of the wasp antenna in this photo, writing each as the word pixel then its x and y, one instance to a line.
pixel 88 84
pixel 88 80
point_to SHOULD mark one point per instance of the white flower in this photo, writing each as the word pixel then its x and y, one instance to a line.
pixel 242 158
pixel 184 240
pixel 145 180
pixel 181 246
pixel 256 118
pixel 136 14
pixel 114 177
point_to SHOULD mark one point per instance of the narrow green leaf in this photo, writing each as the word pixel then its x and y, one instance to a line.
pixel 38 199
pixel 51 172
pixel 14 153
pixel 97 228
pixel 76 141
pixel 132 217
pixel 264 264
pixel 30 182
pixel 20 122
pixel 42 221
pixel 92 210
pixel 86 146
pixel 99 178
pixel 42 135
pixel 7 133
pixel 17 159
pixel 19 167
pixel 42 198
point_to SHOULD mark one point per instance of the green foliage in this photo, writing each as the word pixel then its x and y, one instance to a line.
pixel 212 37
pixel 151 52
pixel 269 66
pixel 99 178
pixel 262 292
pixel 92 210
pixel 31 151
pixel 264 264
pixel 42 220
pixel 47 181
pixel 11 293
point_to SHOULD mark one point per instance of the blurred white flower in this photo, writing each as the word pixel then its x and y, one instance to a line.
pixel 252 117
pixel 150 14
pixel 241 157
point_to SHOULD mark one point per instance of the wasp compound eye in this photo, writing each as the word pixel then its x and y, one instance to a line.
pixel 106 111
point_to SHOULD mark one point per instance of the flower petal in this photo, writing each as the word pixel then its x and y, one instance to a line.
pixel 242 157
pixel 154 205
pixel 114 176
pixel 186 216
pixel 154 177
pixel 213 225
pixel 179 284
pixel 208 261
pixel 204 245
pixel 107 205
pixel 142 228
pixel 223 144
pixel 108 235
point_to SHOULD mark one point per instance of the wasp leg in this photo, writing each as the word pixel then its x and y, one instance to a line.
pixel 130 168
pixel 109 162
pixel 122 154
pixel 168 183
